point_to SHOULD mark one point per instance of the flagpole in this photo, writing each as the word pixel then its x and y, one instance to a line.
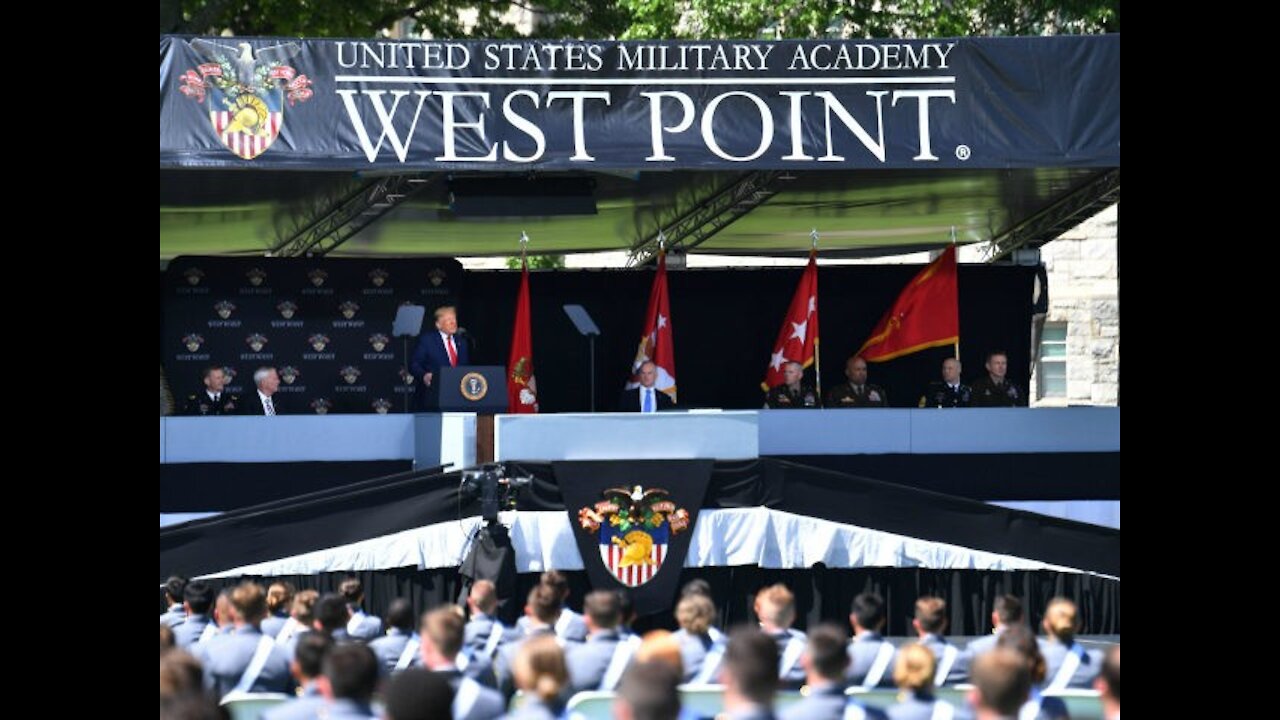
pixel 953 244
pixel 817 345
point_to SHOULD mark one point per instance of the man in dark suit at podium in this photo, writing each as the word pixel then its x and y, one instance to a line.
pixel 438 349
pixel 645 398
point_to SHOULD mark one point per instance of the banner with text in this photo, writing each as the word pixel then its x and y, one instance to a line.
pixel 593 105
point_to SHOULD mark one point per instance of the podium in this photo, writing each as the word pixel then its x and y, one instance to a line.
pixel 468 388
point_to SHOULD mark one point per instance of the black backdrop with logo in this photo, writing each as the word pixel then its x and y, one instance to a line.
pixel 725 323
pixel 317 346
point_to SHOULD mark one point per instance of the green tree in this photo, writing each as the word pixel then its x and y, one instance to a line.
pixel 538 262
pixel 645 19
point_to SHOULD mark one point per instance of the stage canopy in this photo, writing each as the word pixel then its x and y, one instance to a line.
pixel 365 147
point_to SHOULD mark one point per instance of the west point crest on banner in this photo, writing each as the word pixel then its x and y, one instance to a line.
pixel 247 92
pixel 634 528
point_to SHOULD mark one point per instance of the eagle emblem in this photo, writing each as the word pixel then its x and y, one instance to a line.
pixel 633 529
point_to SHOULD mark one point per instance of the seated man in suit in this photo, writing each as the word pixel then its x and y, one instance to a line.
pixel 438 349
pixel 646 398
pixel 264 401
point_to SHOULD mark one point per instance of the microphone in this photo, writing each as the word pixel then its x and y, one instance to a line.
pixel 462 333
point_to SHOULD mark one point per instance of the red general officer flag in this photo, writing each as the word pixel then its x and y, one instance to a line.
pixel 656 343
pixel 522 387
pixel 926 314
pixel 798 338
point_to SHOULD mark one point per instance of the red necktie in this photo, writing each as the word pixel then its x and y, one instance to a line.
pixel 453 353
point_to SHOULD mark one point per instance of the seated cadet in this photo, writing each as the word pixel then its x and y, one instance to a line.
pixel 397 649
pixel 1108 684
pixel 173 588
pixel 307 666
pixel 598 663
pixel 930 623
pixel 648 691
pixel 914 672
pixel 824 661
pixel 1021 640
pixel 857 392
pixel 197 598
pixel 212 400
pixel 484 632
pixel 361 626
pixel 350 675
pixel 1001 684
pixel 539 670
pixel 870 655
pixel 775 606
pixel 1005 613
pixel 791 393
pixel 541 611
pixel 568 624
pixel 418 694
pixel 749 674
pixel 700 653
pixel 442 632
pixel 948 392
pixel 245 660
pixel 1070 665
pixel 279 602
pixel 330 615
pixel 994 389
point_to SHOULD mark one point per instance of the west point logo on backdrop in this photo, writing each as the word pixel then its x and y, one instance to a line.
pixel 224 309
pixel 378 277
pixel 381 406
pixel 287 309
pixel 350 374
pixel 406 377
pixel 321 406
pixel 247 92
pixel 255 276
pixel 436 276
pixel 318 342
pixel 193 275
pixel 193 342
pixel 289 373
pixel 634 528
pixel 230 372
pixel 256 341
pixel 378 341
pixel 317 277
pixel 349 309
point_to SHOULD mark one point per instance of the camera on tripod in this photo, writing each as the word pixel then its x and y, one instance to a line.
pixel 490 484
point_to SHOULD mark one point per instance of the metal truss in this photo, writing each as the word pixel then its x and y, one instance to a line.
pixel 329 222
pixel 711 214
pixel 1078 206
